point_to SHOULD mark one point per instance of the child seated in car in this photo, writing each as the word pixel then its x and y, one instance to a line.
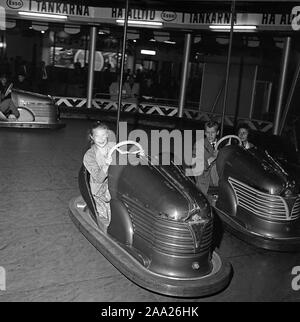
pixel 209 176
pixel 243 132
pixel 97 160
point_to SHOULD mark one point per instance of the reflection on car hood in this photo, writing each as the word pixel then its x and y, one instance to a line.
pixel 164 190
pixel 256 168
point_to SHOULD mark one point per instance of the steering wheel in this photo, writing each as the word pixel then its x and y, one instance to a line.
pixel 228 137
pixel 117 146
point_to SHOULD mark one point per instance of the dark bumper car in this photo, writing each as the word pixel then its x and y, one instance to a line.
pixel 160 233
pixel 258 198
pixel 36 111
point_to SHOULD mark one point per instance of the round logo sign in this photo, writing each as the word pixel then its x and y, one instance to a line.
pixel 99 60
pixel 14 4
pixel 168 15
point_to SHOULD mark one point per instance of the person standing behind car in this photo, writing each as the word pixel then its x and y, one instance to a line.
pixel 21 82
pixel 42 78
pixel 132 90
pixel 209 176
pixel 114 89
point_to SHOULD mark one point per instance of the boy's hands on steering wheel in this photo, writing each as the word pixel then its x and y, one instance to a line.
pixel 108 160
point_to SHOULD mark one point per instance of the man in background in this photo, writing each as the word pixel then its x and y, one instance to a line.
pixel 209 176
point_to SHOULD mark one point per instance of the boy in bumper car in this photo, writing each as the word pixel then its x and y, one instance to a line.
pixel 97 161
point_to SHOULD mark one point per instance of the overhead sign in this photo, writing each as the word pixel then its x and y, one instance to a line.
pixel 201 19
pixel 194 20
pixel 172 17
pixel 135 14
pixel 168 16
pixel 40 6
pixel 15 4
pixel 59 8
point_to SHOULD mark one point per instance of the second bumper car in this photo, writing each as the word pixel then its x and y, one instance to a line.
pixel 258 199
pixel 36 111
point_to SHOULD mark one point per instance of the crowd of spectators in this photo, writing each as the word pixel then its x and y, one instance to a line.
pixel 72 82
pixel 24 75
pixel 152 85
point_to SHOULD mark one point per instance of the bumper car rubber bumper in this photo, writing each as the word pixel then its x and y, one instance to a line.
pixel 31 125
pixel 291 244
pixel 210 284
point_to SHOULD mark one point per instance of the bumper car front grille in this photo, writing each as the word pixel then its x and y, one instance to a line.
pixel 265 205
pixel 168 236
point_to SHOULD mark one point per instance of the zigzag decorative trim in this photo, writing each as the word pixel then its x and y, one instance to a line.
pixel 162 110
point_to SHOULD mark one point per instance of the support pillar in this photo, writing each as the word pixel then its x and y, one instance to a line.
pixel 122 66
pixel 282 84
pixel 90 81
pixel 228 64
pixel 184 77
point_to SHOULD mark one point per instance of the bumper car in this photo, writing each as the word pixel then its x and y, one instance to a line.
pixel 160 233
pixel 258 198
pixel 36 111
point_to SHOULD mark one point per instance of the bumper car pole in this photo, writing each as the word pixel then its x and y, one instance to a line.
pixel 228 66
pixel 290 97
pixel 122 68
pixel 92 50
pixel 282 85
pixel 183 86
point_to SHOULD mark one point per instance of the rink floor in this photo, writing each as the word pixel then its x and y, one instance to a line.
pixel 46 258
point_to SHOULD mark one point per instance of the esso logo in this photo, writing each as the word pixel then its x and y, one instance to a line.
pixel 14 4
pixel 168 15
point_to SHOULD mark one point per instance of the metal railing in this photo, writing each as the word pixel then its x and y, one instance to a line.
pixel 152 108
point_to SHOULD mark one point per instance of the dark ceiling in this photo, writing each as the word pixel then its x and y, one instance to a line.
pixel 254 6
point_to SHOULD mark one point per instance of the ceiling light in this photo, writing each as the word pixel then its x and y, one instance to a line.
pixel 148 52
pixel 170 42
pixel 140 23
pixel 42 15
pixel 236 27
